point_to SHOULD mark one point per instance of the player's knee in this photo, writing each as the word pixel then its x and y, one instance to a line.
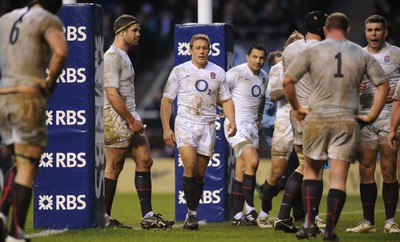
pixel 189 169
pixel 146 163
pixel 389 175
pixel 367 170
pixel 253 165
pixel 114 167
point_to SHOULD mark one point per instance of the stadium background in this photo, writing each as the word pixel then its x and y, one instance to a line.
pixel 268 21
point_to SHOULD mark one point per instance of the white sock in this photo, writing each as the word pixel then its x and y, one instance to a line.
pixel 249 208
pixel 389 221
pixel 238 215
pixel 149 214
pixel 190 213
pixel 263 214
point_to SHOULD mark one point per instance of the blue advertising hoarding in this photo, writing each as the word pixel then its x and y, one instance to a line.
pixel 69 190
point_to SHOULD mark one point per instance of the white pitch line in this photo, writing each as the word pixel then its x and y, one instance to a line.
pixel 360 211
pixel 48 232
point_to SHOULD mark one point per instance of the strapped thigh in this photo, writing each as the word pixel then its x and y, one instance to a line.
pixel 25 158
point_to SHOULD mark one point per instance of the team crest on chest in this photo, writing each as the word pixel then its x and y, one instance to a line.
pixel 386 59
pixel 212 75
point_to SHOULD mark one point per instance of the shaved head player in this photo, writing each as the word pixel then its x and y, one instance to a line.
pixel 330 129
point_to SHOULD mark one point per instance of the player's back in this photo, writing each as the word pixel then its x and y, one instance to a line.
pixel 336 69
pixel 24 53
pixel 275 90
pixel 303 86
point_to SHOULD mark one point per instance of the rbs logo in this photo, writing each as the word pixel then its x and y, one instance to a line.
pixel 71 75
pixel 215 160
pixel 63 160
pixel 211 197
pixel 67 117
pixel 73 33
pixel 208 197
pixel 62 202
pixel 184 47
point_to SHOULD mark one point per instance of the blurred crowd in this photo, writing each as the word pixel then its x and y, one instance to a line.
pixel 275 17
pixel 390 9
pixel 253 19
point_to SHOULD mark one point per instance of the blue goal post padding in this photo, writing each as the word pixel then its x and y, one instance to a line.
pixel 69 190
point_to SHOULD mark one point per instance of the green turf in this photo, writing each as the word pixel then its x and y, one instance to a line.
pixel 127 210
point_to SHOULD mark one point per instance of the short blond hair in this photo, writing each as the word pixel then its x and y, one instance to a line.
pixel 199 37
pixel 294 36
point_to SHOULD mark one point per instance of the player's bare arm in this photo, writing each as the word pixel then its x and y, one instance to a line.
pixel 59 49
pixel 290 93
pixel 165 114
pixel 389 98
pixel 394 124
pixel 363 85
pixel 229 111
pixel 260 112
pixel 381 94
pixel 118 104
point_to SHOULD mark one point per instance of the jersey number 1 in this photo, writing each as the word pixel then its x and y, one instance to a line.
pixel 339 65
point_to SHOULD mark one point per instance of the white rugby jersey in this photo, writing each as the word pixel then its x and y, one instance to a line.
pixel 389 58
pixel 303 87
pixel 197 90
pixel 275 84
pixel 247 90
pixel 119 73
pixel 23 51
pixel 336 69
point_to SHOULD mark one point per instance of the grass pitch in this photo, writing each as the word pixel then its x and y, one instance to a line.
pixel 127 210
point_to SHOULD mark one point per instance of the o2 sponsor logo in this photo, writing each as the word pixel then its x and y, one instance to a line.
pixel 256 91
pixel 184 49
pixel 65 117
pixel 208 197
pixel 73 33
pixel 63 160
pixel 62 202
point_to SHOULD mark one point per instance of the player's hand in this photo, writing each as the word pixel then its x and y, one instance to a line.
pixel 231 129
pixel 393 140
pixel 136 126
pixel 300 114
pixel 363 118
pixel 46 86
pixel 169 138
pixel 389 98
pixel 363 86
pixel 258 122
